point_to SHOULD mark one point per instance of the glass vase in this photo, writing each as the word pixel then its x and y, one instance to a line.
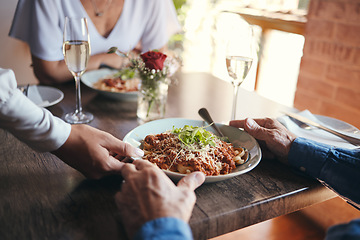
pixel 152 99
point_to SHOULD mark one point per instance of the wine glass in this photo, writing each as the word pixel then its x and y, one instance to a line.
pixel 76 50
pixel 239 56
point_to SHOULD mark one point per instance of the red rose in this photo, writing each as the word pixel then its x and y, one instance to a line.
pixel 153 60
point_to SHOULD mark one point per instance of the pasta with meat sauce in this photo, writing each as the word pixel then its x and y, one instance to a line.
pixel 173 151
pixel 121 81
pixel 117 84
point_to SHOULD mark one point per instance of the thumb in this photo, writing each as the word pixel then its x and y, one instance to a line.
pixel 254 129
pixel 192 181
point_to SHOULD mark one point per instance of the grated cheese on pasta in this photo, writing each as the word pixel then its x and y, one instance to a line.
pixel 168 152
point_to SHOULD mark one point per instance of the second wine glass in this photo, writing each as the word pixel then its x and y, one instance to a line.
pixel 239 58
pixel 76 50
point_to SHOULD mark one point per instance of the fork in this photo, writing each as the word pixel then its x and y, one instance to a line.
pixel 203 112
pixel 301 124
pixel 353 140
pixel 24 89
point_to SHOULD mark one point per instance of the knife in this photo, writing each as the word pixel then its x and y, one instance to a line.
pixel 353 140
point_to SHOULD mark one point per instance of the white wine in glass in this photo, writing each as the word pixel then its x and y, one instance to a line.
pixel 238 67
pixel 239 58
pixel 76 50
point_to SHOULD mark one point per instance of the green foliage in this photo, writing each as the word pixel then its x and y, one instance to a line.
pixel 125 73
pixel 178 4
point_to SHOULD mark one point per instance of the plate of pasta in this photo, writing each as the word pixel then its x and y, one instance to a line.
pixel 180 146
pixel 115 84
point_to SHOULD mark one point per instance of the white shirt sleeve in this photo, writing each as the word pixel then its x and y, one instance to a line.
pixel 33 125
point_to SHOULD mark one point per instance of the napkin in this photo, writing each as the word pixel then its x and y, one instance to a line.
pixel 314 133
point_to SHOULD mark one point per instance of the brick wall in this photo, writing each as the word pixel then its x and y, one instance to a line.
pixel 329 78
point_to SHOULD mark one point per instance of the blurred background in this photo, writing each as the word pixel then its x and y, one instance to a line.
pixel 200 45
pixel 308 51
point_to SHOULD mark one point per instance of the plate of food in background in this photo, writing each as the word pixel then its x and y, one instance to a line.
pixel 115 84
pixel 179 146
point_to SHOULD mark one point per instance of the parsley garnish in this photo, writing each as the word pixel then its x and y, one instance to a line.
pixel 190 135
pixel 125 74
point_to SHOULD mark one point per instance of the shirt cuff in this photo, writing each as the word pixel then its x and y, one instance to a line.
pixel 164 229
pixel 35 126
pixel 348 231
pixel 308 156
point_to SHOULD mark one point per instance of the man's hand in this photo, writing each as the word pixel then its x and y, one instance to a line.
pixel 273 136
pixel 92 152
pixel 147 193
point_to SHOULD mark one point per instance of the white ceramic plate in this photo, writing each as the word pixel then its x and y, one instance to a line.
pixel 338 124
pixel 44 96
pixel 236 136
pixel 91 77
pixel 320 135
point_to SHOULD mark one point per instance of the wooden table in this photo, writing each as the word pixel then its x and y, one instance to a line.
pixel 43 198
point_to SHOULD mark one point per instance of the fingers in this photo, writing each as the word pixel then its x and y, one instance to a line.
pixel 253 127
pixel 135 166
pixel 248 123
pixel 237 123
pixel 192 181
pixel 115 164
pixel 122 148
pixel 141 164
pixel 263 122
pixel 127 170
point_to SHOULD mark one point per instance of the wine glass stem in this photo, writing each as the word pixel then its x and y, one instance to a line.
pixel 78 94
pixel 235 97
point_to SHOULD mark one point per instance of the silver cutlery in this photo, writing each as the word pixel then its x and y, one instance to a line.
pixel 301 124
pixel 353 140
pixel 24 89
pixel 203 112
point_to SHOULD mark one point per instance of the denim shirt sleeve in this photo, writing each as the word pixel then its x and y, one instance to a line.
pixel 164 229
pixel 348 231
pixel 338 168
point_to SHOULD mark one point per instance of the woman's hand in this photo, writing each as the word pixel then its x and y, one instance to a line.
pixel 56 72
pixel 92 152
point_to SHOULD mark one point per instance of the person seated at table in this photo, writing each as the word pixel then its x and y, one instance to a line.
pixel 338 168
pixel 157 217
pixel 88 150
pixel 83 147
pixel 136 25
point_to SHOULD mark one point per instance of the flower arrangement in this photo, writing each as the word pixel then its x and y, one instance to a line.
pixel 152 64
pixel 155 69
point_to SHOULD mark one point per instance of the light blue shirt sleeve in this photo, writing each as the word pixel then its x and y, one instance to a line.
pixel 164 229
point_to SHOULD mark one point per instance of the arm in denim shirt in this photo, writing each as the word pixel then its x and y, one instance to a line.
pixel 339 169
